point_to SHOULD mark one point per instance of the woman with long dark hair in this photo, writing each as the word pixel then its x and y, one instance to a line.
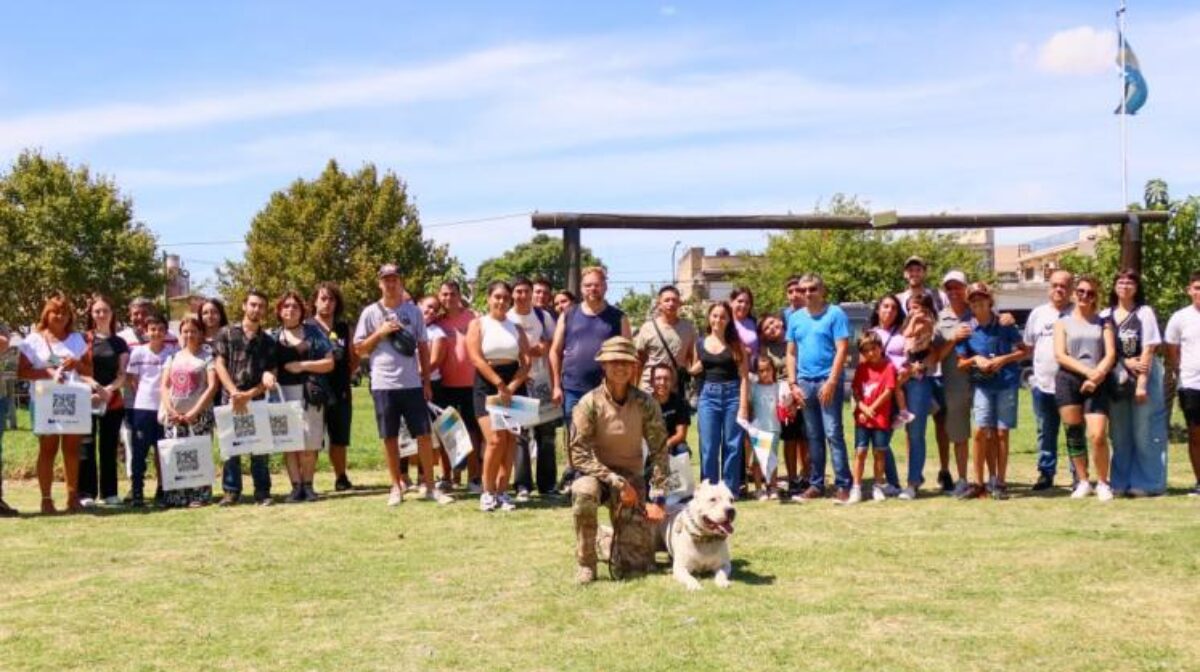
pixel 723 364
pixel 329 310
pixel 213 318
pixel 1137 412
pixel 110 357
pixel 189 384
pixel 304 356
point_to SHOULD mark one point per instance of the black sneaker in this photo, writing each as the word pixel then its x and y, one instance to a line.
pixel 945 481
pixel 137 502
pixel 296 495
pixel 263 499
pixel 1044 482
pixel 1000 491
pixel 342 484
pixel 310 495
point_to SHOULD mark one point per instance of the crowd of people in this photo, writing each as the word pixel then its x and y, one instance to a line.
pixel 943 355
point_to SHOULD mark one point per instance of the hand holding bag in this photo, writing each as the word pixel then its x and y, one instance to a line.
pixel 243 433
pixel 186 463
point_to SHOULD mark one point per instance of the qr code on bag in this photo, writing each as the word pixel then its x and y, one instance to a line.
pixel 279 425
pixel 187 461
pixel 63 405
pixel 243 426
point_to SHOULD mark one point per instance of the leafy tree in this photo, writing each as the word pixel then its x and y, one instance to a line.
pixel 636 306
pixel 1168 252
pixel 62 228
pixel 542 255
pixel 857 265
pixel 338 227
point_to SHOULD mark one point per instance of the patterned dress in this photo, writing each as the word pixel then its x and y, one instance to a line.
pixel 186 385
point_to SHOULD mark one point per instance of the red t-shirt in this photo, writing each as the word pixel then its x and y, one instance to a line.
pixel 457 369
pixel 869 383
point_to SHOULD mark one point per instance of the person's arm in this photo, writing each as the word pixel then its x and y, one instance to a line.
pixel 582 445
pixel 27 371
pixel 835 374
pixel 523 364
pixel 880 400
pixel 797 393
pixel 364 342
pixel 696 367
pixel 655 433
pixel 1064 359
pixel 437 354
pixel 1110 353
pixel 744 387
pixel 626 330
pixel 164 391
pixel 556 353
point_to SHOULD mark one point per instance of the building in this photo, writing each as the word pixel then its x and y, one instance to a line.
pixel 1037 259
pixel 701 277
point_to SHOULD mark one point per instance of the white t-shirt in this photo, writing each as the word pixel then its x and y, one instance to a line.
pixel 1039 335
pixel 43 355
pixel 536 331
pixel 148 367
pixel 433 332
pixel 1183 329
pixel 1140 325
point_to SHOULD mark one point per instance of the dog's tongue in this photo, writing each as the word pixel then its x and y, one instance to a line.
pixel 726 527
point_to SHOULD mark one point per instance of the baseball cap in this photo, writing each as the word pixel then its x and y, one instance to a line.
pixel 955 276
pixel 914 259
pixel 386 270
pixel 977 289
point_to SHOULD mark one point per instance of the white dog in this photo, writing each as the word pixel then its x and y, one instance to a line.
pixel 697 536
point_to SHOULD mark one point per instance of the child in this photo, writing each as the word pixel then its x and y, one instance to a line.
pixel 773 345
pixel 874 386
pixel 145 377
pixel 991 354
pixel 918 333
pixel 764 409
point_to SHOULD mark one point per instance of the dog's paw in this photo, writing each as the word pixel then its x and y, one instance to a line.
pixel 721 581
pixel 693 585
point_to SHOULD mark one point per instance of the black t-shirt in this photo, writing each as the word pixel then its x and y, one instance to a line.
pixel 675 413
pixel 339 338
pixel 106 358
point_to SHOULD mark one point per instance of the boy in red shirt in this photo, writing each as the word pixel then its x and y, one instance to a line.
pixel 873 387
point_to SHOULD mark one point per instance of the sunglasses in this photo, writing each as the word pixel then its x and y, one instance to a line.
pixel 809 290
pixel 1085 293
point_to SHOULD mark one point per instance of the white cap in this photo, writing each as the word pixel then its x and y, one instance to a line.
pixel 954 276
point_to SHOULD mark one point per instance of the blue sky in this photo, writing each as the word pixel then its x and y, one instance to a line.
pixel 487 109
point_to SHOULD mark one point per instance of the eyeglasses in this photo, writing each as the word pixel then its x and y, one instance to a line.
pixel 809 290
pixel 1059 285
pixel 1085 293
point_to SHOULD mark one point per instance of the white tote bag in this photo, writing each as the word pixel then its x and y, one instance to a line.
pixel 520 412
pixel 680 482
pixel 243 433
pixel 406 442
pixel 450 429
pixel 286 419
pixel 186 463
pixel 61 408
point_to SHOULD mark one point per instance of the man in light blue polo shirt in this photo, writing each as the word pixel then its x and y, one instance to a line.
pixel 818 344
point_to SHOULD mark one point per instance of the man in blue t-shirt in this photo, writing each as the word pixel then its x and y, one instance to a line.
pixel 818 343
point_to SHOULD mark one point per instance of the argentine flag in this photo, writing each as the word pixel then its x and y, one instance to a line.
pixel 1135 85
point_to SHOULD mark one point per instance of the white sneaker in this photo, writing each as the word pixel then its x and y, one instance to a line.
pixel 435 495
pixel 902 419
pixel 961 487
pixel 1082 489
pixel 87 502
pixel 113 501
pixel 908 494
pixel 878 494
pixel 522 495
pixel 487 502
pixel 505 502
pixel 396 498
pixel 855 495
pixel 1104 492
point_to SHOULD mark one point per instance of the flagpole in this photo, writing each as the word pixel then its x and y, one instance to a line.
pixel 1124 138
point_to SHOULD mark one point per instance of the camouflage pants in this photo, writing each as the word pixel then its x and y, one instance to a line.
pixel 633 552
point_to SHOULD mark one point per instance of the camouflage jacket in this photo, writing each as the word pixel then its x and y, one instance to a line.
pixel 606 441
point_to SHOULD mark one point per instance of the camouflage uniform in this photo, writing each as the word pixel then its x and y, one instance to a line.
pixel 606 448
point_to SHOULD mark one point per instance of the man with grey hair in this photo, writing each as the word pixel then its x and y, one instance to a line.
pixel 1039 335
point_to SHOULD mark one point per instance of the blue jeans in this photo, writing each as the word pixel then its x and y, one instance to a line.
pixel 146 432
pixel 260 473
pixel 824 424
pixel 720 435
pixel 1139 439
pixel 1045 410
pixel 918 392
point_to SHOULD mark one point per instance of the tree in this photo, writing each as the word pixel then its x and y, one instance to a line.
pixel 1168 252
pixel 542 255
pixel 338 227
pixel 857 265
pixel 636 305
pixel 62 228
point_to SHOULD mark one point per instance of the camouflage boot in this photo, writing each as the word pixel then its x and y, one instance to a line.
pixel 584 510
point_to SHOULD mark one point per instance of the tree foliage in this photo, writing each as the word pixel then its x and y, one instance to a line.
pixel 1168 252
pixel 62 228
pixel 859 265
pixel 636 305
pixel 339 227
pixel 541 255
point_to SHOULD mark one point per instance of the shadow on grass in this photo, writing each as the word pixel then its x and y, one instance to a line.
pixel 742 574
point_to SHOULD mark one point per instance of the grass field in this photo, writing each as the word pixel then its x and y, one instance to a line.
pixel 348 584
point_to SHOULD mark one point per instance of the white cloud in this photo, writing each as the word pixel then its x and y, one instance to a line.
pixel 1078 51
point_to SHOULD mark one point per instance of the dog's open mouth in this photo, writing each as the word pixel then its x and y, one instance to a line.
pixel 724 527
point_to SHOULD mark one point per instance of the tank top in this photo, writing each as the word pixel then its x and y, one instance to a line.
pixel 582 338
pixel 718 368
pixel 1085 339
pixel 499 339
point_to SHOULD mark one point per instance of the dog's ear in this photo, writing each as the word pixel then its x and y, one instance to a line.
pixel 702 487
pixel 724 490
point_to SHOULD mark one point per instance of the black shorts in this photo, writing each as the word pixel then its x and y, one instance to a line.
pixel 1067 392
pixel 392 406
pixel 484 389
pixel 461 399
pixel 1189 403
pixel 794 430
pixel 337 422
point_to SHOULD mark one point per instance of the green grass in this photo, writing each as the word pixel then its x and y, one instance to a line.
pixel 348 584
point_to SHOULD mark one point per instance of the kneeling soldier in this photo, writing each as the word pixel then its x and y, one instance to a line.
pixel 610 423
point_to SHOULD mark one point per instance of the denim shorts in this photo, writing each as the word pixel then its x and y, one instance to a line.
pixel 879 439
pixel 392 407
pixel 995 409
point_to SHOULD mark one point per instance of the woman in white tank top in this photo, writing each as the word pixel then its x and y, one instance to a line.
pixel 500 353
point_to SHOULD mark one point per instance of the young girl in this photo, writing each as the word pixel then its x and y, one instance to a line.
pixel 764 405
pixel 918 333
pixel 873 387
